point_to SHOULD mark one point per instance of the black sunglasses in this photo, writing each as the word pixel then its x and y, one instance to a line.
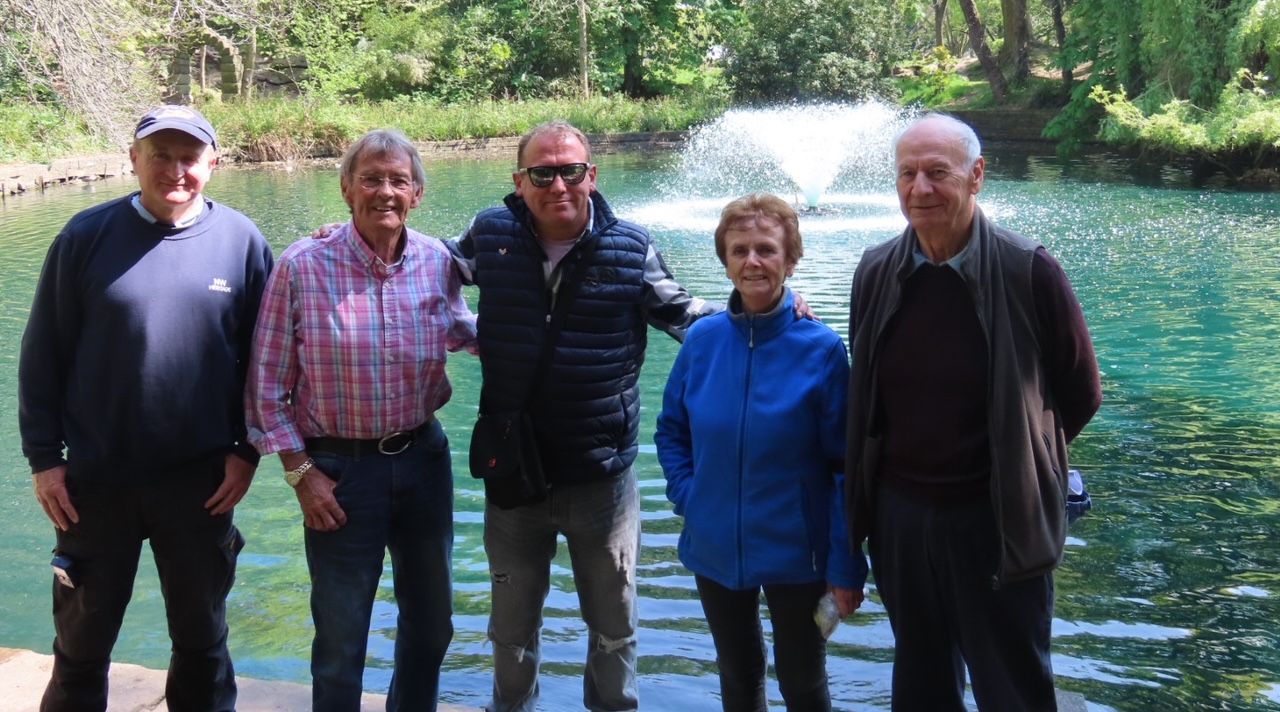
pixel 543 176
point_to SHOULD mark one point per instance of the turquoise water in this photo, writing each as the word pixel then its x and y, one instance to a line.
pixel 1170 592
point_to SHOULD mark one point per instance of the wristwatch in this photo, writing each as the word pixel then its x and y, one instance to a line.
pixel 294 476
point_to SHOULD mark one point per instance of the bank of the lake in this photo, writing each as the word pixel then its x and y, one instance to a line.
pixel 25 177
pixel 1020 130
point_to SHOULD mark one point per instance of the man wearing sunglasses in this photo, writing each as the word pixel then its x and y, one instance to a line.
pixel 585 407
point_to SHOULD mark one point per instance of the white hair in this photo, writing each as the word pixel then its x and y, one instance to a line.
pixel 958 129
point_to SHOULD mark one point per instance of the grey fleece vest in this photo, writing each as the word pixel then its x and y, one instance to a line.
pixel 1028 444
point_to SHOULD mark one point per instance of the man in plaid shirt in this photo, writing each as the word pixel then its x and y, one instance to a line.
pixel 346 375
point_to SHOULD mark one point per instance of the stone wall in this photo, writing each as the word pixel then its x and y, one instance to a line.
pixel 505 146
pixel 23 177
pixel 1021 127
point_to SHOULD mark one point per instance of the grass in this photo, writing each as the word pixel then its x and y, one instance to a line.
pixel 277 129
pixel 37 133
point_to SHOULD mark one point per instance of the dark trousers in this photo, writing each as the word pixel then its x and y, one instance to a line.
pixel 800 651
pixel 403 503
pixel 195 555
pixel 933 565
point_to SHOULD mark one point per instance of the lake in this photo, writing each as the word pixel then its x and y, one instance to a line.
pixel 1170 591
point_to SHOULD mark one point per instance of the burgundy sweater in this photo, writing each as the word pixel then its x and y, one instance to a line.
pixel 934 360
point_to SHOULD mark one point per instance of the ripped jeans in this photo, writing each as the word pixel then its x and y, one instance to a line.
pixel 601 523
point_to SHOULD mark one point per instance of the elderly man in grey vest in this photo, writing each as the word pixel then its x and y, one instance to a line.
pixel 972 370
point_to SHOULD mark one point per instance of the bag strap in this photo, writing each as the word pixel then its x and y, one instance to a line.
pixel 566 293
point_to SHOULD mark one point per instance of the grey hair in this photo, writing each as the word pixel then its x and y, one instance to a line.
pixel 382 142
pixel 556 127
pixel 958 129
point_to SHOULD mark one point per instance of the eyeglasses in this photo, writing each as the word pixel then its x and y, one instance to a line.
pixel 543 176
pixel 399 184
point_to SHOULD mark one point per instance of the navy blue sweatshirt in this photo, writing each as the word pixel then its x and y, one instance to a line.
pixel 135 352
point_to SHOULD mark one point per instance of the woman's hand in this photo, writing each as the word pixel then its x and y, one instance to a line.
pixel 848 600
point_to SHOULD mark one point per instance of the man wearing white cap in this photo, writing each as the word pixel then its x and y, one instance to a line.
pixel 130 385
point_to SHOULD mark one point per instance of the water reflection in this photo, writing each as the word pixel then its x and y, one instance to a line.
pixel 1170 588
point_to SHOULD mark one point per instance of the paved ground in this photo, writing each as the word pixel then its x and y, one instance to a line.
pixel 23 675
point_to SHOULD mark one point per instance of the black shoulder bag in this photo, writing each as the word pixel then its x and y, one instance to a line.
pixel 504 447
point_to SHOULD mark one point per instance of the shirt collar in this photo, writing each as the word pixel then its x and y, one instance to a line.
pixel 371 260
pixel 136 202
pixel 955 263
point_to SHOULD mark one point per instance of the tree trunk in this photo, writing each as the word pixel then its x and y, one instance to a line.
pixel 1017 39
pixel 632 62
pixel 249 64
pixel 999 89
pixel 204 58
pixel 584 54
pixel 939 22
pixel 1060 30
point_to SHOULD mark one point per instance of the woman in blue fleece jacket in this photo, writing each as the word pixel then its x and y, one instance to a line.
pixel 751 438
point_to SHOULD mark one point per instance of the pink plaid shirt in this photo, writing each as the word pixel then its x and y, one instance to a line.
pixel 347 346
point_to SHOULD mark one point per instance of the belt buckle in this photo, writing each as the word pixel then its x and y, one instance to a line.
pixel 408 440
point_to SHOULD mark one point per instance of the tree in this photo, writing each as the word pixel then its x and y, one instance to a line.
pixel 1015 52
pixel 1171 58
pixel 939 22
pixel 815 49
pixel 1060 33
pixel 584 53
pixel 977 39
pixel 82 52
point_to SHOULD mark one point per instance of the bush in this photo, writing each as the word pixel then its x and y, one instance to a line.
pixel 288 129
pixel 789 50
pixel 1243 126
pixel 39 133
pixel 936 82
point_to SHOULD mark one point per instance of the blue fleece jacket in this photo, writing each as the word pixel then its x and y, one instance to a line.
pixel 751 440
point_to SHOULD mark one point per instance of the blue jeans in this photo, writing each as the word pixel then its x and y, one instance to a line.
pixel 195 557
pixel 601 522
pixel 403 503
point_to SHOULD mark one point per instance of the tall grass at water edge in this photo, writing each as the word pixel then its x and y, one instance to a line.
pixel 282 129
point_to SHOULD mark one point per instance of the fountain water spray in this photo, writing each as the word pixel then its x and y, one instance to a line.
pixel 804 148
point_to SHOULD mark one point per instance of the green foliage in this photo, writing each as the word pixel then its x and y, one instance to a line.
pixel 814 49
pixel 1177 59
pixel 1255 42
pixel 1245 122
pixel 286 129
pixel 403 54
pixel 647 48
pixel 1247 116
pixel 329 41
pixel 31 132
pixel 479 58
pixel 935 82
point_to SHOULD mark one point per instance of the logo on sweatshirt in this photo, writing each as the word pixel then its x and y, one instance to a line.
pixel 219 285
